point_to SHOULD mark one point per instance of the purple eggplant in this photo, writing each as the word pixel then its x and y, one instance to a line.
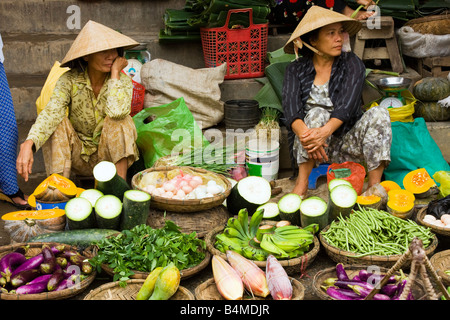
pixel 61 261
pixel 342 294
pixel 346 284
pixel 32 263
pixel 341 273
pixel 32 288
pixel 68 253
pixel 389 289
pixel 42 278
pixel 55 279
pixel 58 249
pixel 364 292
pixel 22 249
pixel 77 259
pixel 67 283
pixel 364 275
pixel 86 267
pixel 24 277
pixel 9 262
pixel 48 265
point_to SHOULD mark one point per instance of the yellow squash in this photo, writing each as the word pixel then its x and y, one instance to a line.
pixel 167 283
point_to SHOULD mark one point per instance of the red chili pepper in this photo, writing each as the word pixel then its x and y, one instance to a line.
pixel 329 3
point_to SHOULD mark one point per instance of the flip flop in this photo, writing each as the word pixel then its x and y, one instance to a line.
pixel 9 199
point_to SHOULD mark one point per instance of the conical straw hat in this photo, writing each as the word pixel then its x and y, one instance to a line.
pixel 317 17
pixel 95 37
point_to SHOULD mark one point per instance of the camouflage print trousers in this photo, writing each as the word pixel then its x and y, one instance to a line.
pixel 117 141
pixel 368 142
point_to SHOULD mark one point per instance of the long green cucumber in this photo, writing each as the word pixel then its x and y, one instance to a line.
pixel 80 238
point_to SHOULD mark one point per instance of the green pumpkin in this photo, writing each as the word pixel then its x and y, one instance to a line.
pixel 431 111
pixel 431 89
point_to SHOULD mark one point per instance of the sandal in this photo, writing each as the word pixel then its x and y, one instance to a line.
pixel 9 199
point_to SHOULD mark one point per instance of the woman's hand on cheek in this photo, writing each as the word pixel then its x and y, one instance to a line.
pixel 118 65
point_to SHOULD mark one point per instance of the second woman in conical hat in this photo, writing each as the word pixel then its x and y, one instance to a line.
pixel 322 101
pixel 87 118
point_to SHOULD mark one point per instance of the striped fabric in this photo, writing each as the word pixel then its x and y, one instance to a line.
pixel 345 89
pixel 9 137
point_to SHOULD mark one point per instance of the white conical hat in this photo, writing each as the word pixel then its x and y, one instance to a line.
pixel 315 18
pixel 95 37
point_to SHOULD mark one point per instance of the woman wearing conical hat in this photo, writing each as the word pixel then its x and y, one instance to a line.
pixel 322 101
pixel 87 117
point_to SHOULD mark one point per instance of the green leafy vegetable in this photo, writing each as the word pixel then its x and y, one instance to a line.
pixel 144 248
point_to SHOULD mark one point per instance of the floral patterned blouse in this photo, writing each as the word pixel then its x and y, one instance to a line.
pixel 74 96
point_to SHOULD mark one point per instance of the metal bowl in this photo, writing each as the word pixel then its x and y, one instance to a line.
pixel 393 83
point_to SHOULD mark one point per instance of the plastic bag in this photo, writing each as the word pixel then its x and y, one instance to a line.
pixel 356 177
pixel 404 113
pixel 443 178
pixel 167 129
pixel 413 147
pixel 438 207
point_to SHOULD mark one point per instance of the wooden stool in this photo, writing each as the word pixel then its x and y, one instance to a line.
pixel 385 31
pixel 434 67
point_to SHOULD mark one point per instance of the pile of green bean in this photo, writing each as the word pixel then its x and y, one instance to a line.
pixel 369 231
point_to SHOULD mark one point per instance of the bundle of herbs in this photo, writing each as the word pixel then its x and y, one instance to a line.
pixel 144 249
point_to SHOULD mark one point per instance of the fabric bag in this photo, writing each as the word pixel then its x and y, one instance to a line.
pixel 165 81
pixel 165 129
pixel 412 148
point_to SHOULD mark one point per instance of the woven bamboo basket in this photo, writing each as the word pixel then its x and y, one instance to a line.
pixel 91 252
pixel 445 232
pixel 418 290
pixel 188 223
pixel 191 205
pixel 433 24
pixel 291 266
pixel 114 291
pixel 35 249
pixel 347 257
pixel 441 262
pixel 208 291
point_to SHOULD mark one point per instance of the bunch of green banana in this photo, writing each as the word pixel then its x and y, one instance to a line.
pixel 244 237
pixel 239 235
pixel 288 242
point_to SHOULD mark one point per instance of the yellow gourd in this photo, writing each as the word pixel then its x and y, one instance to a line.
pixel 419 183
pixel 25 224
pixel 400 203
pixel 389 185
pixel 55 188
pixel 167 283
pixel 371 201
pixel 149 284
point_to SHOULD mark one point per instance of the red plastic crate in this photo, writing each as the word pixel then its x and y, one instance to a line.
pixel 244 50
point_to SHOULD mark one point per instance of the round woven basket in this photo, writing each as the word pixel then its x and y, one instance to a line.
pixel 114 291
pixel 188 223
pixel 208 291
pixel 35 248
pixel 433 24
pixel 191 205
pixel 441 262
pixel 291 265
pixel 418 290
pixel 91 252
pixel 347 257
pixel 445 232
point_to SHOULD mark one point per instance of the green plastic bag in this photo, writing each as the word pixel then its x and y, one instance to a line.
pixel 412 148
pixel 166 130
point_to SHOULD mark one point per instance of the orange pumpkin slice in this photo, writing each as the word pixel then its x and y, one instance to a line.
pixel 419 183
pixel 34 214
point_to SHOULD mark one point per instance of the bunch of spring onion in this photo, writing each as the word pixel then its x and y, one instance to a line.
pixel 268 124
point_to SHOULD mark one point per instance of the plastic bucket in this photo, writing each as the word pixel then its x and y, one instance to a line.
pixel 262 158
pixel 241 114
pixel 50 205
